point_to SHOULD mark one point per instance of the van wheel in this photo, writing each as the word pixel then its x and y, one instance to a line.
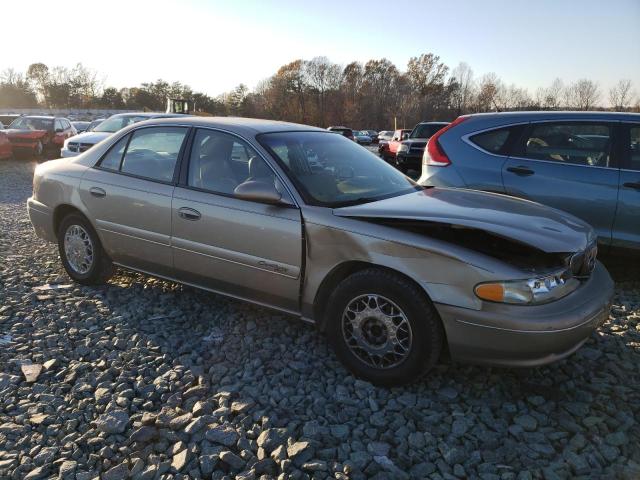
pixel 384 328
pixel 81 252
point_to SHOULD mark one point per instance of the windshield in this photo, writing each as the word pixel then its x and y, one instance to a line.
pixel 425 130
pixel 332 171
pixel 26 123
pixel 114 124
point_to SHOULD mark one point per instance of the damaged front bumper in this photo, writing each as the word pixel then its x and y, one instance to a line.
pixel 528 335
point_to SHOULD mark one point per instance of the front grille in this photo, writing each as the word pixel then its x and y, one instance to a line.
pixel 79 147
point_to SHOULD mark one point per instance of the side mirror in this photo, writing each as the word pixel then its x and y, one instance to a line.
pixel 257 191
pixel 59 130
pixel 405 136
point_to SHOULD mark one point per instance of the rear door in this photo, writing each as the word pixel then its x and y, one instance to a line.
pixel 626 229
pixel 569 165
pixel 128 196
pixel 238 247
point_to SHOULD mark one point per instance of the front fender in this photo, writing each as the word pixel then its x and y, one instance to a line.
pixel 444 276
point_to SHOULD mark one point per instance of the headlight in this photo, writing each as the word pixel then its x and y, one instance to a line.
pixel 66 143
pixel 532 291
pixel 403 148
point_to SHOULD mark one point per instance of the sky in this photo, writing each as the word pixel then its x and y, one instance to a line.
pixel 214 45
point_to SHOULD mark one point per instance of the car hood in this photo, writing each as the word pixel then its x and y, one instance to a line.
pixel 90 137
pixel 530 223
pixel 28 134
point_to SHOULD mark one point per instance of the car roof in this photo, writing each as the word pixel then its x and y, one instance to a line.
pixel 43 117
pixel 147 114
pixel 250 126
pixel 433 123
pixel 550 115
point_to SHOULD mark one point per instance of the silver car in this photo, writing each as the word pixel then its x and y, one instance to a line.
pixel 307 222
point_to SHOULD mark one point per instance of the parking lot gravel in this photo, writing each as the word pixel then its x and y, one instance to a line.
pixel 144 378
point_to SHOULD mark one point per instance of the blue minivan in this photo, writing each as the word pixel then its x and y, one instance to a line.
pixel 585 163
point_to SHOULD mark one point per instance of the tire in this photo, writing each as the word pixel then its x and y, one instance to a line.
pixel 420 344
pixel 82 235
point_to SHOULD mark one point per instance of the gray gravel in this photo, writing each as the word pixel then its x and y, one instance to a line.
pixel 147 379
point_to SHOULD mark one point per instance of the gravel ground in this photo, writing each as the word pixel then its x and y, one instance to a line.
pixel 149 379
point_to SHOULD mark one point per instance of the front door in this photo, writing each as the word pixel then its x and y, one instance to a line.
pixel 568 166
pixel 241 248
pixel 626 229
pixel 128 195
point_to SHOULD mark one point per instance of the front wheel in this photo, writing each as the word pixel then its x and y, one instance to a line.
pixel 81 252
pixel 384 328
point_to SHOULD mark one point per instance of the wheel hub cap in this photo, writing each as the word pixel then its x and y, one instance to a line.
pixel 78 249
pixel 376 331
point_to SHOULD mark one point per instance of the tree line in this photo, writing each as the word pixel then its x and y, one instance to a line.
pixel 374 94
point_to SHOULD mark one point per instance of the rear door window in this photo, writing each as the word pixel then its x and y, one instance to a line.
pixel 153 152
pixel 586 144
pixel 111 161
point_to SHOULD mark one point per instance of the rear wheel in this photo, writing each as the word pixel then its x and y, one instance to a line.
pixel 383 327
pixel 81 252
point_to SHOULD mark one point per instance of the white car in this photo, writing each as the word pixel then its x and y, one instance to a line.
pixel 84 141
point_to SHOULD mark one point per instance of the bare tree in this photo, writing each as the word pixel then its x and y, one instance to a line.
pixel 463 90
pixel 10 77
pixel 553 95
pixel 514 98
pixel 38 76
pixel 621 95
pixel 583 94
pixel 321 75
pixel 488 97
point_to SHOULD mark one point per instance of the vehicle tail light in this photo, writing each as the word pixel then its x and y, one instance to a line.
pixel 434 155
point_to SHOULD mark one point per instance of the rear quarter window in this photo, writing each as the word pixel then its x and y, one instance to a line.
pixel 493 141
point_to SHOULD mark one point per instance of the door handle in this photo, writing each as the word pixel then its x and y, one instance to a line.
pixel 635 185
pixel 189 213
pixel 97 192
pixel 523 171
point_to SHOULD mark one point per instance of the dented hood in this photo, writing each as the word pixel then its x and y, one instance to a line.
pixel 544 228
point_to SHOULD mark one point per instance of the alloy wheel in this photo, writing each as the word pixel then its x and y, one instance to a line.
pixel 78 249
pixel 377 331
